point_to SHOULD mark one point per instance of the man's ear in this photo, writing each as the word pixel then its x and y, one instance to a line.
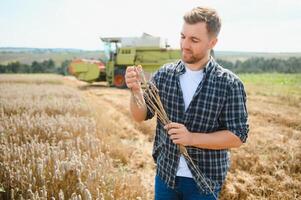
pixel 213 42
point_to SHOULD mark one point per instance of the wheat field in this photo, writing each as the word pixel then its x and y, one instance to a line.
pixel 50 146
pixel 60 139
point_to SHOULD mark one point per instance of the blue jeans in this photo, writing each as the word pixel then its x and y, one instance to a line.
pixel 186 189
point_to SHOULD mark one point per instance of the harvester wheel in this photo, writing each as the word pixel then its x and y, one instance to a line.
pixel 119 80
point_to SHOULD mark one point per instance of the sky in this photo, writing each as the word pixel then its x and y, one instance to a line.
pixel 256 26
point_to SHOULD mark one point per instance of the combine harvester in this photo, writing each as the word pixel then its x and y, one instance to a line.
pixel 149 51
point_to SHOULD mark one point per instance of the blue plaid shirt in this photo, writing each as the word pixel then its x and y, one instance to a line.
pixel 219 103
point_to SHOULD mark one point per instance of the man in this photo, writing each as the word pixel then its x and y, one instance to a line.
pixel 207 106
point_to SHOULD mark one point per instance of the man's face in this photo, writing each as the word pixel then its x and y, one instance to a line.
pixel 195 42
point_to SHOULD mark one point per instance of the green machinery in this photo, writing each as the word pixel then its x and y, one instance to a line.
pixel 148 51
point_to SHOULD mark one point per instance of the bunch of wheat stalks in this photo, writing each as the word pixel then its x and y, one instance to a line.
pixel 154 104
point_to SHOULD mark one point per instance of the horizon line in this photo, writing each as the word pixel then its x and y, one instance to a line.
pixel 83 49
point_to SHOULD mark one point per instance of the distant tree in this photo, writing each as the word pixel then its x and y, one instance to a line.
pixel 2 68
pixel 237 66
pixel 260 65
pixel 24 68
pixel 12 67
pixel 64 67
pixel 15 67
pixel 227 64
pixel 48 66
pixel 293 65
pixel 36 67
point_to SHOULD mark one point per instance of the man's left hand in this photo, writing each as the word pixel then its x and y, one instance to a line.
pixel 179 134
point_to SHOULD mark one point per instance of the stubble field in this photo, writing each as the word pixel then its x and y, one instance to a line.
pixel 62 140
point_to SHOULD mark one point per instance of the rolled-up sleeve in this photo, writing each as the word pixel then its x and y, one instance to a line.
pixel 234 116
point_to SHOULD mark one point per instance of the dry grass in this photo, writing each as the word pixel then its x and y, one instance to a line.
pixel 49 147
pixel 32 78
pixel 268 166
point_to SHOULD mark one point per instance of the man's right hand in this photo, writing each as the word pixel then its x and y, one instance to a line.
pixel 137 103
pixel 132 78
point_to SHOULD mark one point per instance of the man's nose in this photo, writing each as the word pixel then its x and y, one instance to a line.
pixel 185 44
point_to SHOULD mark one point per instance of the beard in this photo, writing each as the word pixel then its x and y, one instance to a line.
pixel 191 58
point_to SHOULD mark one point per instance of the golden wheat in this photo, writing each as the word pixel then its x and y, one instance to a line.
pixel 49 148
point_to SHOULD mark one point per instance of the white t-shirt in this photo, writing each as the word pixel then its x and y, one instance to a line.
pixel 189 82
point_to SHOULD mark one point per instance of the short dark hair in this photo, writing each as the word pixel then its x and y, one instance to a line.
pixel 207 15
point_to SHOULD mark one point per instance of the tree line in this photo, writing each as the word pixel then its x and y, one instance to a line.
pixel 263 65
pixel 251 65
pixel 46 66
